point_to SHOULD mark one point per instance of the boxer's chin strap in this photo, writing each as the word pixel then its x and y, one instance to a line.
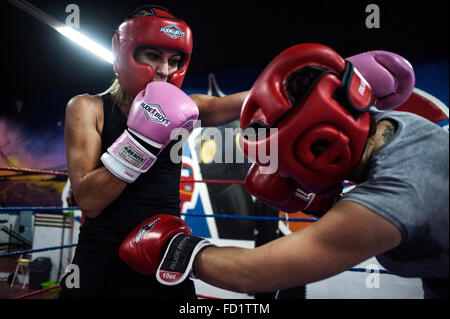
pixel 307 197
pixel 342 93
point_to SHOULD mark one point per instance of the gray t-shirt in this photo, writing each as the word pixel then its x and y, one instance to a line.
pixel 408 184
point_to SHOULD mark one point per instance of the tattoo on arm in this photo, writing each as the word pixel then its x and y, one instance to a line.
pixel 388 133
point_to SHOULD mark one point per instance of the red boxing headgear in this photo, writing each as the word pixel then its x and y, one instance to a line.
pixel 318 102
pixel 161 29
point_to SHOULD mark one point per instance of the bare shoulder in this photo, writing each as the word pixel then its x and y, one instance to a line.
pixel 85 108
pixel 85 103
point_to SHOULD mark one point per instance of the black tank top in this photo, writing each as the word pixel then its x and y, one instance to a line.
pixel 154 192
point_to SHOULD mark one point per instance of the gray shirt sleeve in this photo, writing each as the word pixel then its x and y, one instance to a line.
pixel 407 184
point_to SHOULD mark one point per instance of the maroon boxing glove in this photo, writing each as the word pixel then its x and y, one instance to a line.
pixel 285 194
pixel 143 248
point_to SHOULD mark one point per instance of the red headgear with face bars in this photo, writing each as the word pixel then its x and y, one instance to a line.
pixel 160 29
pixel 318 102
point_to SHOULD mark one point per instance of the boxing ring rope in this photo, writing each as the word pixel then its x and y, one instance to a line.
pixel 57 208
pixel 53 208
pixel 30 251
pixel 36 292
pixel 31 171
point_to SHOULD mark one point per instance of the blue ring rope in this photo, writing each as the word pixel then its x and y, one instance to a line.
pixel 50 208
pixel 30 251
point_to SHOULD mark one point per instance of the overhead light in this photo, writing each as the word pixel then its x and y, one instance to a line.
pixel 68 32
pixel 86 43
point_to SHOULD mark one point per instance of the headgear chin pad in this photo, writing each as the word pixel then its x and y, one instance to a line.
pixel 318 104
pixel 162 30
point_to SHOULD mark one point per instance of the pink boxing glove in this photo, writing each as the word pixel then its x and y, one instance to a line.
pixel 158 114
pixel 390 76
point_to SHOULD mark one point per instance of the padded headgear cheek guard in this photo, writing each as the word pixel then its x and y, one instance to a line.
pixel 161 30
pixel 318 102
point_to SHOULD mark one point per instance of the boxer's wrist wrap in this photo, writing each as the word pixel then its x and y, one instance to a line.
pixel 118 169
pixel 177 262
pixel 129 156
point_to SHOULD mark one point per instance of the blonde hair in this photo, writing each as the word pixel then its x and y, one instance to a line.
pixel 118 96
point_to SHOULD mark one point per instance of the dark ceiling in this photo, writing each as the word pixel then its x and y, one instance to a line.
pixel 227 35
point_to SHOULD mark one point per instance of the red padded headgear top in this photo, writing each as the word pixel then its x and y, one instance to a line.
pixel 318 102
pixel 162 30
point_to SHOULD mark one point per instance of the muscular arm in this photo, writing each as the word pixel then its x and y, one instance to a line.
pixel 94 188
pixel 347 235
pixel 216 111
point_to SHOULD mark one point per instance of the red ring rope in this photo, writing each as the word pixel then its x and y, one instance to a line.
pixel 63 173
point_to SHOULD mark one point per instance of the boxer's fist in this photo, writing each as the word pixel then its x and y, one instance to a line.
pixel 143 248
pixel 158 110
pixel 272 189
pixel 285 194
pixel 390 76
pixel 157 115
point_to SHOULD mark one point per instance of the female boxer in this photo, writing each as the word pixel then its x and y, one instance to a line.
pixel 150 46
